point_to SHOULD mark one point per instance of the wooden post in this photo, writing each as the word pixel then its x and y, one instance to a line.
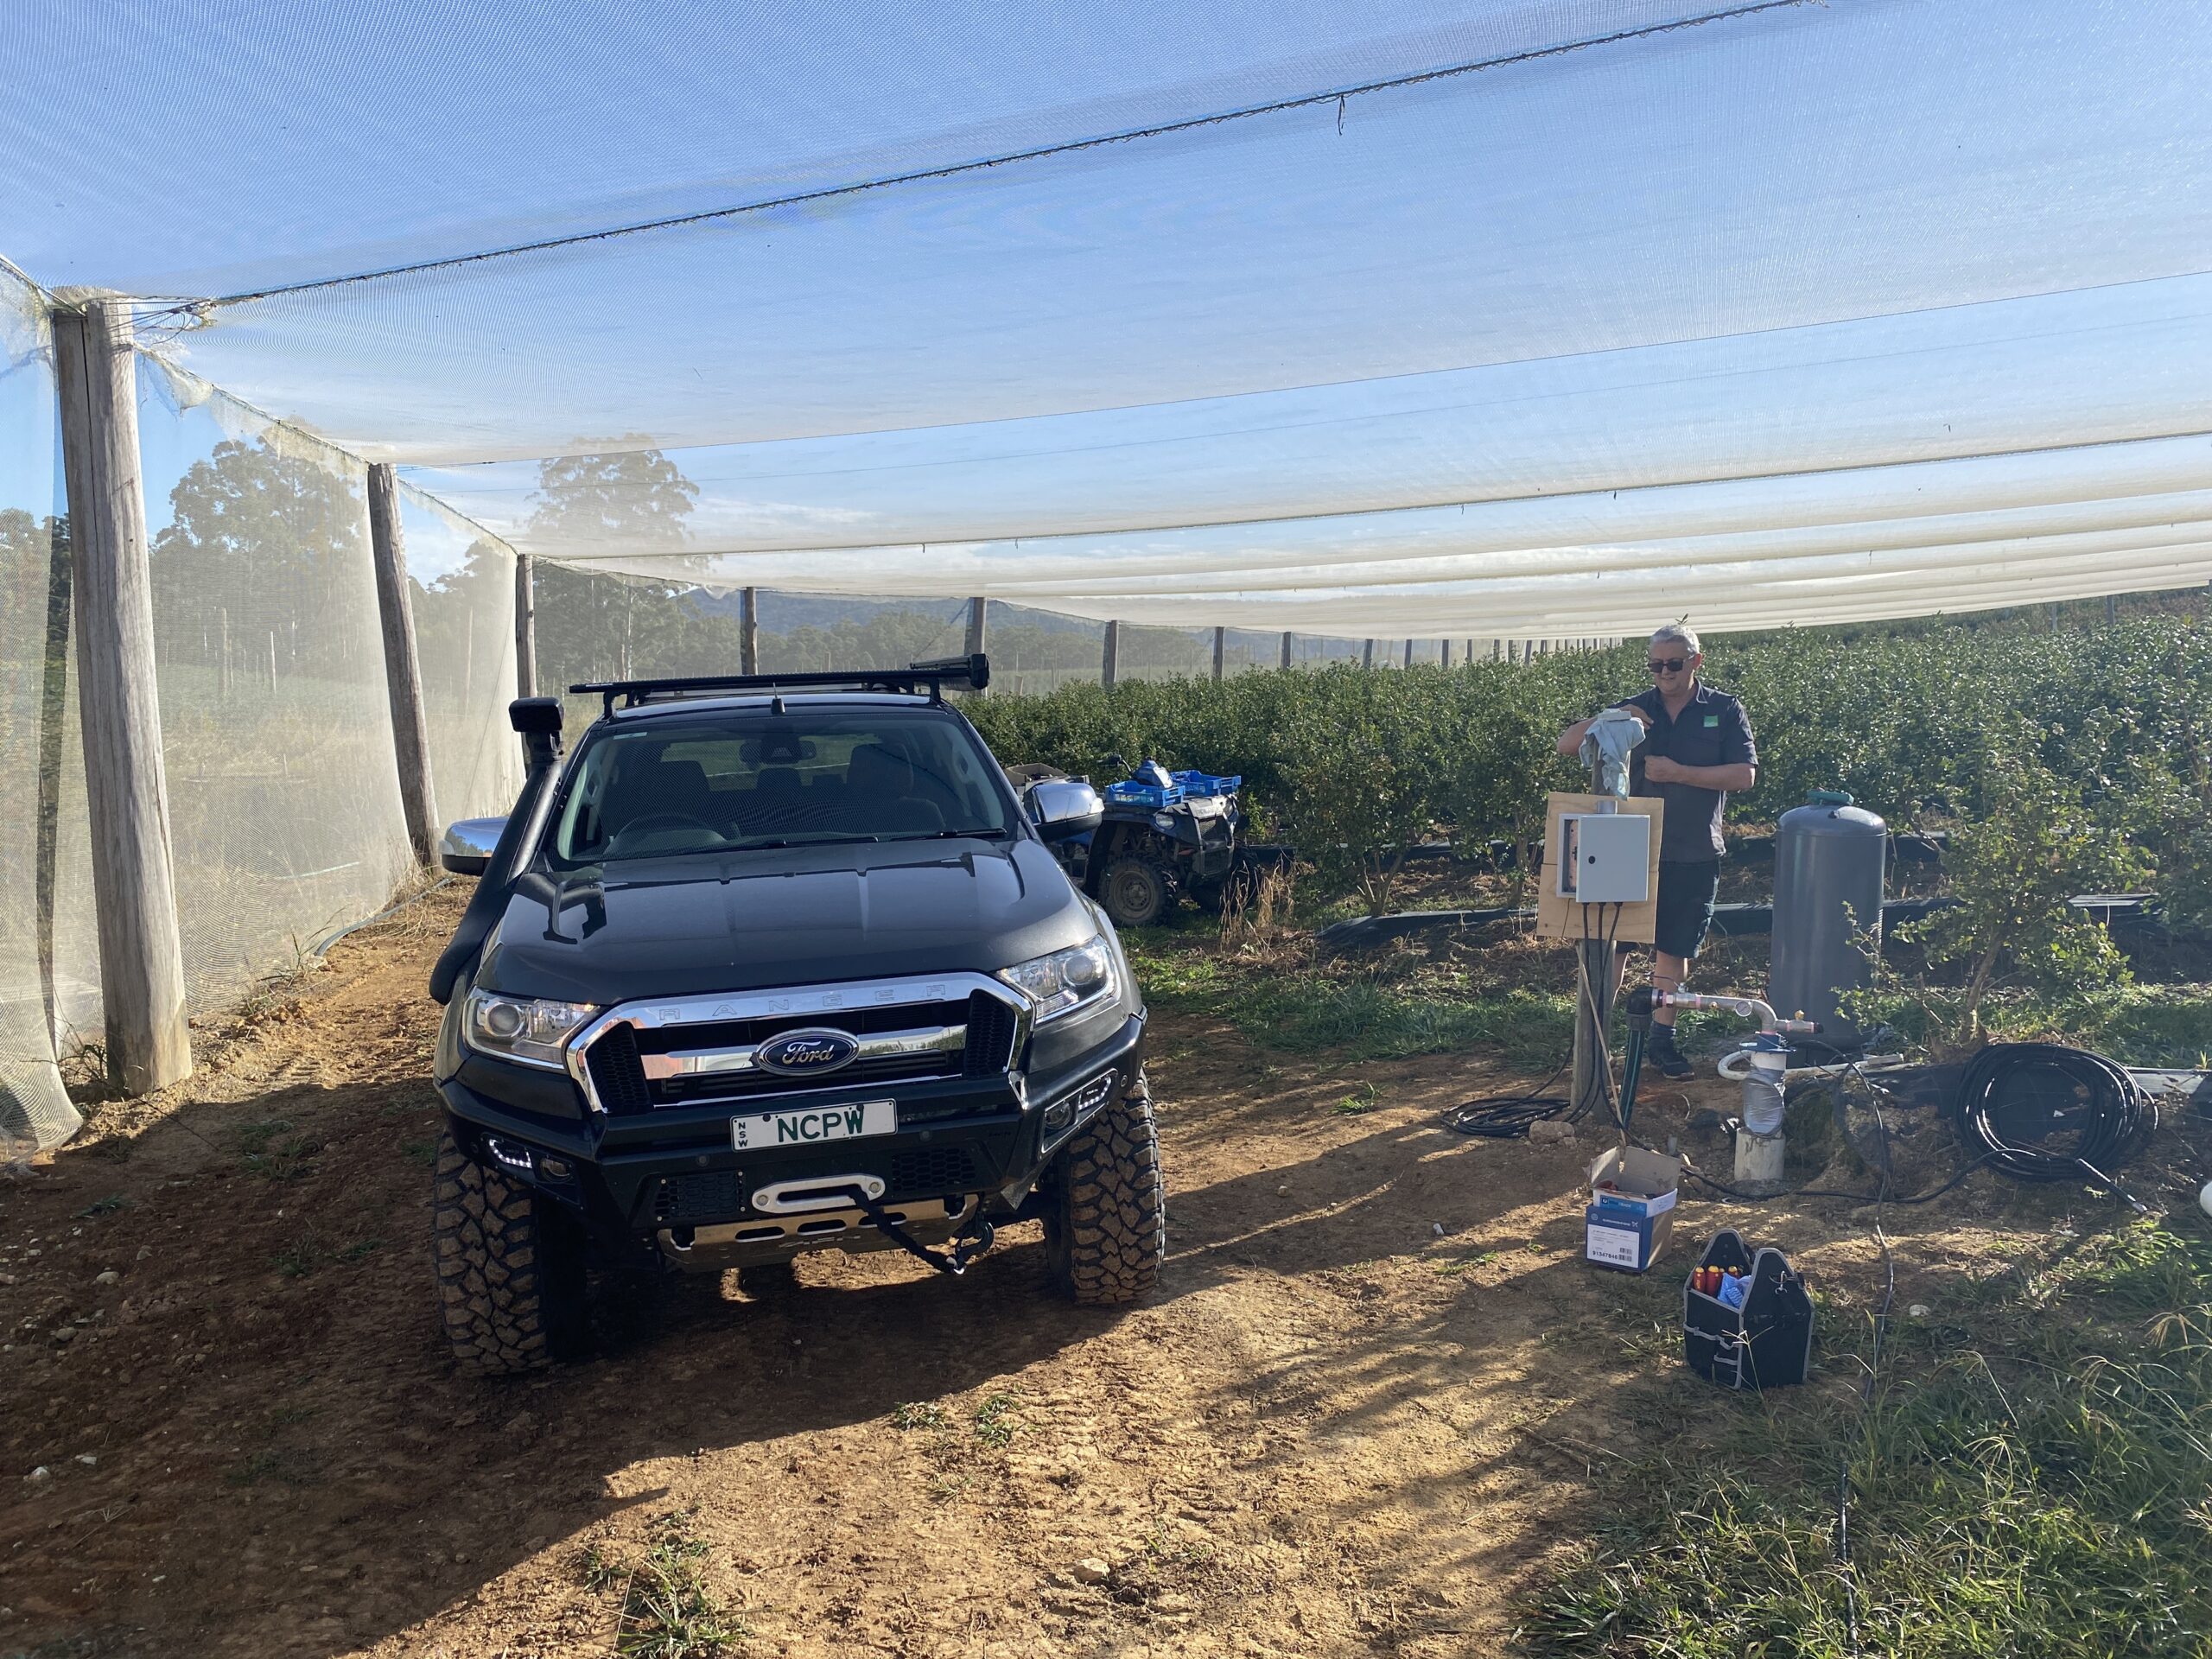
pixel 1367 656
pixel 1445 650
pixel 403 672
pixel 525 626
pixel 1408 663
pixel 1285 648
pixel 748 630
pixel 1220 645
pixel 141 956
pixel 1110 667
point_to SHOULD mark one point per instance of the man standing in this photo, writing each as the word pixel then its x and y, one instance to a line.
pixel 1697 746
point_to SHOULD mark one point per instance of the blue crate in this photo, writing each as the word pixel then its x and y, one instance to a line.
pixel 1188 784
pixel 1205 782
pixel 1132 794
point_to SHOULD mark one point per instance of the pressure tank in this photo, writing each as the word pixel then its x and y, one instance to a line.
pixel 1829 858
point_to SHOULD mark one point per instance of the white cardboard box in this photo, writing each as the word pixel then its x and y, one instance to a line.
pixel 1643 1183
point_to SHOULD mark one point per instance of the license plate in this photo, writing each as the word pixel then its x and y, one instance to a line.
pixel 815 1125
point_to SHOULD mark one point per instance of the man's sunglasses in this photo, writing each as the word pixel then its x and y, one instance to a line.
pixel 1669 664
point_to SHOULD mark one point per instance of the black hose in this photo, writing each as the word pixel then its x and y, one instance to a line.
pixel 2043 1112
pixel 1500 1117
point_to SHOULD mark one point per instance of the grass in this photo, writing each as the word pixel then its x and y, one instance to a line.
pixel 2030 1477
pixel 917 1414
pixel 271 1150
pixel 1352 1010
pixel 995 1419
pixel 308 1253
pixel 668 1611
pixel 1362 1101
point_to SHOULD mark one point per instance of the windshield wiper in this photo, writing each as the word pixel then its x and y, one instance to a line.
pixel 948 835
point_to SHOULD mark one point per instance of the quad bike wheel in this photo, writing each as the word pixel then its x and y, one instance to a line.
pixel 1137 892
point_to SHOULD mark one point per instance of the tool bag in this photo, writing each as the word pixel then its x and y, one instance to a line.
pixel 1766 1342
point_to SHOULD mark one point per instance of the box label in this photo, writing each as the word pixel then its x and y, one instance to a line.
pixel 1614 1246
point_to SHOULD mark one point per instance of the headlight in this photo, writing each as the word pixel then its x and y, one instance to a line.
pixel 525 1029
pixel 1076 977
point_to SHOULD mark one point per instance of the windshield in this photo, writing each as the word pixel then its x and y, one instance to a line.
pixel 778 780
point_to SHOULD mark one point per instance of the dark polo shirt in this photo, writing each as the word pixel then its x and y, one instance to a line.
pixel 1710 732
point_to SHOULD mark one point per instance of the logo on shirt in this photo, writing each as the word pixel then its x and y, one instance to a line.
pixel 1713 720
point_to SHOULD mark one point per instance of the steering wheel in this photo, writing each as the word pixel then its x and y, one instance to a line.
pixel 654 821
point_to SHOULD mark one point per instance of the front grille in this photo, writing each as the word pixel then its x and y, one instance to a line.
pixel 615 1073
pixel 739 1085
pixel 932 1172
pixel 710 1195
pixel 991 1036
pixel 615 1060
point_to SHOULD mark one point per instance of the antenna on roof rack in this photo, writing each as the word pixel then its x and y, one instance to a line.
pixel 971 672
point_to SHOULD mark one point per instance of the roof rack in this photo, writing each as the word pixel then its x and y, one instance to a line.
pixel 972 672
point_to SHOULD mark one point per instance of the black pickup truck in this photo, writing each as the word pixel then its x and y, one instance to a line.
pixel 769 964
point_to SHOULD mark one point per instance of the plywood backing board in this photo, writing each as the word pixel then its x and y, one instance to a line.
pixel 1561 918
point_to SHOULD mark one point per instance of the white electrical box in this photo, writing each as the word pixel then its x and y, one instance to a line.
pixel 1605 857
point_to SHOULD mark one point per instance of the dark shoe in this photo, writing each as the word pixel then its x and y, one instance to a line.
pixel 1660 1051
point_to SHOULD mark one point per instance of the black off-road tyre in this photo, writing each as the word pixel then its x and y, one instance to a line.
pixel 509 1267
pixel 1137 892
pixel 1106 1211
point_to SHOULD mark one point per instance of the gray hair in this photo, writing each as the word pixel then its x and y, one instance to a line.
pixel 1681 632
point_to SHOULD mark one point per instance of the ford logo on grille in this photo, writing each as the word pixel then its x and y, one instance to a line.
pixel 819 1048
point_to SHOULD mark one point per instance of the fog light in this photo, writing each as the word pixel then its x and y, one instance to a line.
pixel 510 1154
pixel 1069 1106
pixel 555 1169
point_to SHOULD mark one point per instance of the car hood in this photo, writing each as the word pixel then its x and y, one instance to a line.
pixel 796 916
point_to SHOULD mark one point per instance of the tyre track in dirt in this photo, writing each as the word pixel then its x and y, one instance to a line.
pixel 1332 1430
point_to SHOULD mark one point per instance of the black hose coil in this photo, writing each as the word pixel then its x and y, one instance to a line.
pixel 2042 1112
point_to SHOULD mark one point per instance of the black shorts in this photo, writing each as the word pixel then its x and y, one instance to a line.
pixel 1686 890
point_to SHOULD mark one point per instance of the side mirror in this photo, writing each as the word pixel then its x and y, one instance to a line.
pixel 1118 764
pixel 466 848
pixel 1064 809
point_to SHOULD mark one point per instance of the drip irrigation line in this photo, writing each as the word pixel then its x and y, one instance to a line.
pixel 323 948
pixel 1336 96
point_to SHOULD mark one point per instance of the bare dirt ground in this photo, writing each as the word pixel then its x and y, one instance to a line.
pixel 1376 1390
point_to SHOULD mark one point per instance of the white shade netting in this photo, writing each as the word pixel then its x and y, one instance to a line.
pixel 1420 320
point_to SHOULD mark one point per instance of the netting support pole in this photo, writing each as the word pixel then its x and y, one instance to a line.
pixel 1445 653
pixel 748 630
pixel 1367 655
pixel 142 952
pixel 1285 648
pixel 1111 667
pixel 2112 609
pixel 525 626
pixel 1220 645
pixel 1408 663
pixel 402 671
